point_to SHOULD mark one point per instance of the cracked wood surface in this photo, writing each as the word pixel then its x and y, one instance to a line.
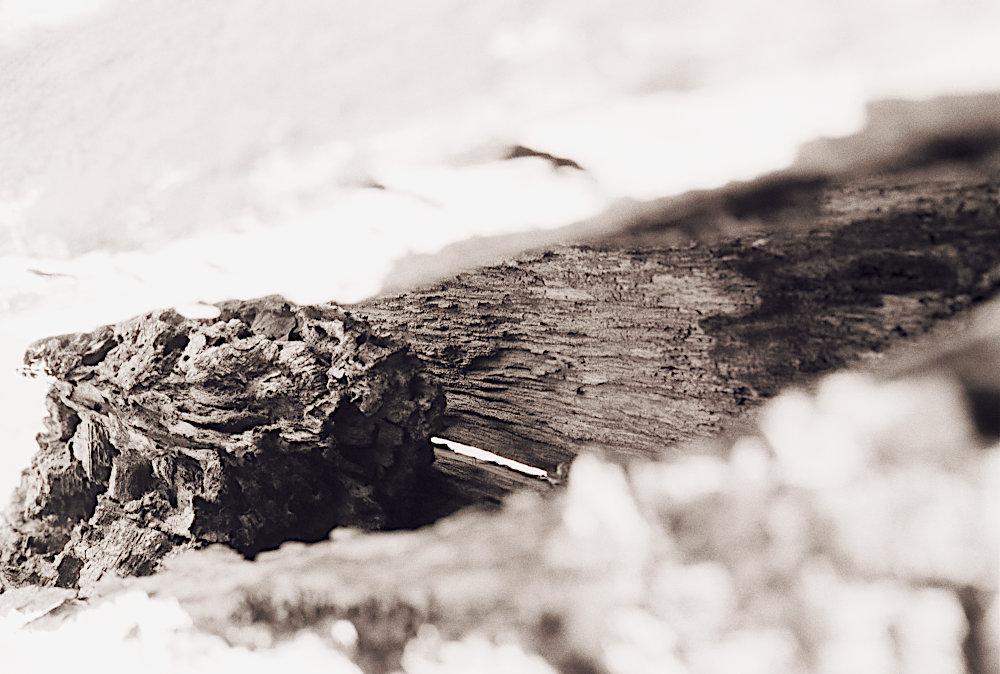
pixel 861 493
pixel 638 349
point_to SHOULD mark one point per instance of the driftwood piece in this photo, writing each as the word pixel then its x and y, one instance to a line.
pixel 636 350
pixel 171 432
pixel 854 520
pixel 271 422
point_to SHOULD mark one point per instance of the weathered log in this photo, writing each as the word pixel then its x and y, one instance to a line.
pixel 272 422
pixel 639 349
pixel 862 503
pixel 632 350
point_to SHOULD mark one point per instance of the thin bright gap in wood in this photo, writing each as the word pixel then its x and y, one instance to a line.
pixel 483 455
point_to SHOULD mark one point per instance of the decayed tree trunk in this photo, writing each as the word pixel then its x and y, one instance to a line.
pixel 271 422
pixel 637 350
pixel 727 552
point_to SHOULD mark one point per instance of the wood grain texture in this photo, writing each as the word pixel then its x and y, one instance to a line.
pixel 860 502
pixel 637 350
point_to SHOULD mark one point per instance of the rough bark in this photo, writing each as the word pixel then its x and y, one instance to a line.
pixel 164 431
pixel 638 349
pixel 855 520
pixel 272 422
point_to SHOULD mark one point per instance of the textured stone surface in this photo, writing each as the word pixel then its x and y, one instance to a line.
pixel 271 422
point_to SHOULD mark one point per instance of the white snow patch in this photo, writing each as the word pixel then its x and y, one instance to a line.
pixel 483 455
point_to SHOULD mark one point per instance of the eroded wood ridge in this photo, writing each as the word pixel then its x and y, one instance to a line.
pixel 860 501
pixel 268 423
pixel 636 350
